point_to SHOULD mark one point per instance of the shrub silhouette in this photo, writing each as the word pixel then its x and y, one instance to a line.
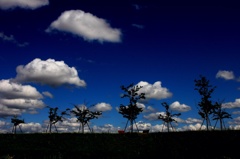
pixel 131 111
pixel 206 106
pixel 16 122
pixel 220 114
pixel 84 115
pixel 168 117
pixel 54 117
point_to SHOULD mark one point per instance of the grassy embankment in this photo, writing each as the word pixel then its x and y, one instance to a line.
pixel 191 144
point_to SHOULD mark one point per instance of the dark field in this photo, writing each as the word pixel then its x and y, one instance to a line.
pixel 178 145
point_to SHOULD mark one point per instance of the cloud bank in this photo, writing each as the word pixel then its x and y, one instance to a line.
pixel 85 25
pixel 49 72
pixel 16 99
pixel 26 4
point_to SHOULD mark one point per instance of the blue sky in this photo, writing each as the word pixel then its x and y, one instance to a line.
pixel 59 53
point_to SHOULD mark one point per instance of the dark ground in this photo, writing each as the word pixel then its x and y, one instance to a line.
pixel 173 145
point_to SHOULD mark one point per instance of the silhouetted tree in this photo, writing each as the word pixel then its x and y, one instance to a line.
pixel 168 117
pixel 16 122
pixel 206 106
pixel 54 117
pixel 220 114
pixel 84 115
pixel 131 111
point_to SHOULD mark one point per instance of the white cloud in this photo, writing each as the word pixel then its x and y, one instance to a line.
pixel 49 72
pixel 16 99
pixel 235 104
pixel 22 103
pixel 227 75
pixel 11 90
pixel 102 107
pixel 176 106
pixel 193 120
pixel 195 127
pixel 32 127
pixel 153 116
pixel 140 105
pixel 48 94
pixel 85 25
pixel 154 91
pixel 27 4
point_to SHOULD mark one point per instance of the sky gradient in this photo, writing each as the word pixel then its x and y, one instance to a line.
pixel 60 53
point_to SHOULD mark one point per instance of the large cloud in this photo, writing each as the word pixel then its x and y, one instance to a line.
pixel 16 99
pixel 176 106
pixel 227 75
pixel 50 72
pixel 155 91
pixel 85 25
pixel 27 4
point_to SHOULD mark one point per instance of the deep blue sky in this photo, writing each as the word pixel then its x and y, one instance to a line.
pixel 123 43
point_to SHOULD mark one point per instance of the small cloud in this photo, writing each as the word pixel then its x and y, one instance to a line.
pixel 154 91
pixel 47 94
pixel 138 26
pixel 11 39
pixel 85 25
pixel 49 72
pixel 176 106
pixel 136 6
pixel 26 4
pixel 102 107
pixel 230 105
pixel 227 75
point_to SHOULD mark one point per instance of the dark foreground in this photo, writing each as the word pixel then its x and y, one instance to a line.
pixel 173 145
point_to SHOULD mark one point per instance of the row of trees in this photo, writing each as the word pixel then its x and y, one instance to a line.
pixel 206 109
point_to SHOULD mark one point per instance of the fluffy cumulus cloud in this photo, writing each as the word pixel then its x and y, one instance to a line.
pixel 85 25
pixel 16 99
pixel 176 106
pixel 154 91
pixel 27 4
pixel 227 75
pixel 102 107
pixel 49 72
pixel 235 104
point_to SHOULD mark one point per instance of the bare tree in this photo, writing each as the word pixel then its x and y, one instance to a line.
pixel 206 106
pixel 168 117
pixel 84 115
pixel 219 114
pixel 16 122
pixel 54 118
pixel 131 111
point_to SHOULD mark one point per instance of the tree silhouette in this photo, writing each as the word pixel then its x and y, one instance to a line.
pixel 131 111
pixel 84 115
pixel 205 90
pixel 16 122
pixel 168 117
pixel 54 117
pixel 220 114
